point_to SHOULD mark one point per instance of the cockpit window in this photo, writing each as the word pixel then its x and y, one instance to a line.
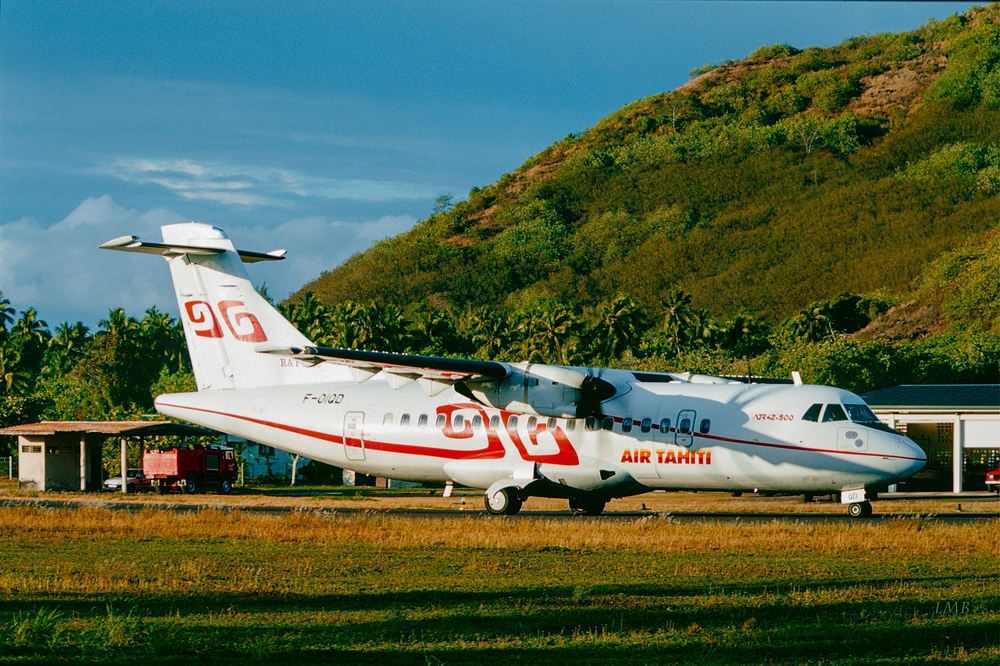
pixel 812 414
pixel 834 412
pixel 861 414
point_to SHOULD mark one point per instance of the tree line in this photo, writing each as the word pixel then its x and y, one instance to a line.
pixel 115 372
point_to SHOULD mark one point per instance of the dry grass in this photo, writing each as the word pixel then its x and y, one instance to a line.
pixel 915 537
pixel 94 584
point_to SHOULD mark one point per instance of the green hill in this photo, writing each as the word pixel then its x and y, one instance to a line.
pixel 833 211
pixel 760 186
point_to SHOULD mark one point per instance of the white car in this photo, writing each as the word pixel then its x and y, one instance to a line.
pixel 137 482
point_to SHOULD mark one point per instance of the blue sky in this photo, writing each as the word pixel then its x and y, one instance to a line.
pixel 318 127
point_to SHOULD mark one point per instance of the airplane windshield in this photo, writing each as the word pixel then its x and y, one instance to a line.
pixel 865 416
pixel 861 414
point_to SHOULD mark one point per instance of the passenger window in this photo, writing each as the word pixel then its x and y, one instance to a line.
pixel 512 423
pixel 627 424
pixel 477 422
pixel 570 425
pixel 532 421
pixel 441 420
pixel 551 425
pixel 404 421
pixel 590 424
pixel 494 422
pixel 459 421
pixel 422 421
pixel 812 414
pixel 834 412
pixel 609 424
pixel 705 425
pixel 684 427
pixel 647 423
pixel 387 419
pixel 665 425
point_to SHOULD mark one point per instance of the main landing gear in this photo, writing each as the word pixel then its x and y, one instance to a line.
pixel 587 506
pixel 860 509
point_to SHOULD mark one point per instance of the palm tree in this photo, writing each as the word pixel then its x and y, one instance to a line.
pixel 618 325
pixel 29 336
pixel 812 324
pixel 487 330
pixel 164 339
pixel 551 336
pixel 118 324
pixel 14 378
pixel 65 346
pixel 311 318
pixel 6 314
pixel 702 329
pixel 677 317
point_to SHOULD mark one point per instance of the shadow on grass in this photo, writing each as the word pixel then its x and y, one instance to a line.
pixel 620 624
pixel 679 592
pixel 269 646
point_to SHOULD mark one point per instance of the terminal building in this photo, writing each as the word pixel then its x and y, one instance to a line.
pixel 957 426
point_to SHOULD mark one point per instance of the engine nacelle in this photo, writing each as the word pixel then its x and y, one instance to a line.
pixel 544 390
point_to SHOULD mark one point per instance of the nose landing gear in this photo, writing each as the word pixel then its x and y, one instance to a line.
pixel 503 502
pixel 860 509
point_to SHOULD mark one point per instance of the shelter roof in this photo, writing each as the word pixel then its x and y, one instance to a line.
pixel 110 428
pixel 936 396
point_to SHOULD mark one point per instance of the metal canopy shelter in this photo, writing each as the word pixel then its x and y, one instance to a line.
pixel 66 455
pixel 946 420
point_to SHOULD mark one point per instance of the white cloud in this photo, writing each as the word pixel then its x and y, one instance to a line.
pixel 384 227
pixel 57 268
pixel 254 186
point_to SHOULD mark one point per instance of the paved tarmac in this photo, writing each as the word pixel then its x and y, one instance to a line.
pixel 474 512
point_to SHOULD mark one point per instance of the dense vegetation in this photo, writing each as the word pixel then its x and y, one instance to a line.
pixel 762 185
pixel 758 197
pixel 833 211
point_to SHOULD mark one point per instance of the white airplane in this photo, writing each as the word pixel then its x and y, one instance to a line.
pixel 519 430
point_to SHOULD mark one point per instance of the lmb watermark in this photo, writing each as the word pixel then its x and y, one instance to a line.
pixel 952 607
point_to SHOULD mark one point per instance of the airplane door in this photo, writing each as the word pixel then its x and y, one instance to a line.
pixel 354 437
pixel 685 424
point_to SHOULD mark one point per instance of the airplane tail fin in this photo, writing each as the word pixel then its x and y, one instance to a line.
pixel 225 320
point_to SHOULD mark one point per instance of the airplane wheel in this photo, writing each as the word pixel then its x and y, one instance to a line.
pixel 503 502
pixel 860 509
pixel 587 507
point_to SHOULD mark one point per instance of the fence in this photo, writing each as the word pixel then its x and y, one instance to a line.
pixel 8 466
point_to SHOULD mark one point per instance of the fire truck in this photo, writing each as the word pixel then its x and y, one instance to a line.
pixel 191 470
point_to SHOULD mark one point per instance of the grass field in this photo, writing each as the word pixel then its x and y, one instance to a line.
pixel 92 585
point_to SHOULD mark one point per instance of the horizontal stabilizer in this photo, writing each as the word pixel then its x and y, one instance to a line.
pixel 133 244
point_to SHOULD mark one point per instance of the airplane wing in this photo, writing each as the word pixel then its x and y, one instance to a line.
pixel 518 387
pixel 436 373
pixel 133 244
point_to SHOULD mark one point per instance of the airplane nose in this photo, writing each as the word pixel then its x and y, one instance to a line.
pixel 913 455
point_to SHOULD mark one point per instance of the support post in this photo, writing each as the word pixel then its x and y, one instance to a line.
pixel 957 455
pixel 295 467
pixel 83 461
pixel 124 461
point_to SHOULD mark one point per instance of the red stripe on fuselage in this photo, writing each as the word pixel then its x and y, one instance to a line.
pixel 494 448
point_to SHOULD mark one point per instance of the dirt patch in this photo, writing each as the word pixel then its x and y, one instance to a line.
pixel 898 89
pixel 910 321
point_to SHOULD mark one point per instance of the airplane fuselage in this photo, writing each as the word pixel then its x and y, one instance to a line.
pixel 651 435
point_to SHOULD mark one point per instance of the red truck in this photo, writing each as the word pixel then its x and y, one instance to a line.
pixel 191 470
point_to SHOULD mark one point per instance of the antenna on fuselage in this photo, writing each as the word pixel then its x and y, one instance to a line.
pixel 796 378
